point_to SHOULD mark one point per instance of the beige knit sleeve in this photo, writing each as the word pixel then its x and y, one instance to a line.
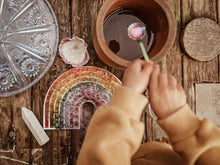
pixel 115 131
pixel 196 142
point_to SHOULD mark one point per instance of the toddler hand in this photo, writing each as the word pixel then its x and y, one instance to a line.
pixel 137 75
pixel 166 96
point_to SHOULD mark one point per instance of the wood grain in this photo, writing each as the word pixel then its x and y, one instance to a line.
pixel 11 114
pixel 174 57
pixel 171 64
pixel 52 153
pixel 208 102
pixel 84 13
pixel 6 116
pixel 218 8
pixel 194 71
pixel 78 17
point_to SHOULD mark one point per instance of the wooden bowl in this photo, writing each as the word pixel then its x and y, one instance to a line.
pixel 164 38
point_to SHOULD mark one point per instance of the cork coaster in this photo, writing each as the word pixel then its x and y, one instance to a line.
pixel 201 39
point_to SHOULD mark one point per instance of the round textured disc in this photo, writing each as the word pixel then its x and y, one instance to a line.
pixel 201 39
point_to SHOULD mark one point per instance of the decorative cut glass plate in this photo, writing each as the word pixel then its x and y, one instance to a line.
pixel 28 43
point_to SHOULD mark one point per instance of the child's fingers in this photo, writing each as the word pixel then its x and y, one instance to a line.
pixel 147 69
pixel 154 77
pixel 163 80
pixel 180 88
pixel 172 81
pixel 138 64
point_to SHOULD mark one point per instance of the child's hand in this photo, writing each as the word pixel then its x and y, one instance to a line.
pixel 166 95
pixel 137 75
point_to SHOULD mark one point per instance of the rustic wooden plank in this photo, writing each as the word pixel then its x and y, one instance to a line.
pixel 84 13
pixel 194 71
pixel 8 160
pixel 174 57
pixel 36 154
pixel 172 64
pixel 83 22
pixel 22 132
pixel 208 102
pixel 218 8
pixel 6 116
pixel 11 114
pixel 52 153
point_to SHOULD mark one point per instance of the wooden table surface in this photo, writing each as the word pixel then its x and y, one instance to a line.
pixel 78 17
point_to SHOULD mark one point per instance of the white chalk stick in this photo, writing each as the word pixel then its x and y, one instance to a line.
pixel 34 126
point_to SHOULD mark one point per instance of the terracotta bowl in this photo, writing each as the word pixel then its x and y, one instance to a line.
pixel 164 38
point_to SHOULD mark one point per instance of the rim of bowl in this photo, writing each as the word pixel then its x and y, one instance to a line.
pixel 172 29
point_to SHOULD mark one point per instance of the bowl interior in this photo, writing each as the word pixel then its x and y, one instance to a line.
pixel 153 12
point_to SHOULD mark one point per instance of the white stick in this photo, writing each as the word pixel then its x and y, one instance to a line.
pixel 14 160
pixel 34 126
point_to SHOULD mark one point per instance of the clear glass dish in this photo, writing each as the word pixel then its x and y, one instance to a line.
pixel 28 43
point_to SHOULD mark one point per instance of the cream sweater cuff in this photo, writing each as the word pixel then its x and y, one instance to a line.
pixel 129 101
pixel 180 125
